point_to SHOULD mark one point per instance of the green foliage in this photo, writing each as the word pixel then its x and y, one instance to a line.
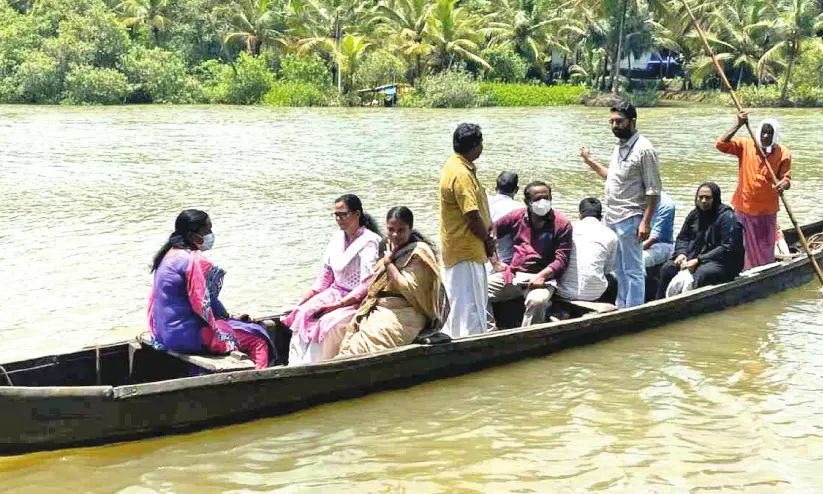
pixel 246 84
pixel 209 74
pixel 195 30
pixel 507 66
pixel 369 43
pixel 673 84
pixel 38 80
pixel 809 70
pixel 453 35
pixel 104 37
pixel 54 12
pixel 807 79
pixel 451 89
pixel 19 35
pixel 606 99
pixel 306 68
pixel 254 24
pixel 347 53
pixel 643 98
pixel 811 96
pixel 96 86
pixel 413 99
pixel 590 67
pixel 755 97
pixel 160 75
pixel 68 51
pixel 146 14
pixel 377 69
pixel 528 30
pixel 499 94
pixel 297 94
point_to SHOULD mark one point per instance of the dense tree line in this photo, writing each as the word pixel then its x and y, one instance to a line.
pixel 103 51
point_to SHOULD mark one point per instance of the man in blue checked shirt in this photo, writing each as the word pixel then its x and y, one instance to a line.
pixel 658 248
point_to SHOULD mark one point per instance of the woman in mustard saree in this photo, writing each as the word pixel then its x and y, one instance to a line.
pixel 405 295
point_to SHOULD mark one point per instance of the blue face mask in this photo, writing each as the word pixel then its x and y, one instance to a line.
pixel 208 242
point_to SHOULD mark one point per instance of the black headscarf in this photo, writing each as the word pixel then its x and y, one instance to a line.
pixel 712 236
pixel 706 218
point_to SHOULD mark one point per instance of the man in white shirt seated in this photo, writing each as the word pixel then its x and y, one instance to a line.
pixel 502 204
pixel 593 256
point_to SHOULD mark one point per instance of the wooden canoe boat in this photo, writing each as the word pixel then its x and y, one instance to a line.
pixel 55 401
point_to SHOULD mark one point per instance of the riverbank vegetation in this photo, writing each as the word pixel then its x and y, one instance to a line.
pixel 454 53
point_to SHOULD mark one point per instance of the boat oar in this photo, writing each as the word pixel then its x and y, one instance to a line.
pixel 760 151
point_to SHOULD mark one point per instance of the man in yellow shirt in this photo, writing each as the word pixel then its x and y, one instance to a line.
pixel 465 235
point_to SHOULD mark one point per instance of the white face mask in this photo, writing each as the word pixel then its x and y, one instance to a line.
pixel 208 242
pixel 541 207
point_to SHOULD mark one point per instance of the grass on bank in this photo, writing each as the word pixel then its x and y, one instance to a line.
pixel 752 97
pixel 501 94
pixel 458 89
pixel 298 94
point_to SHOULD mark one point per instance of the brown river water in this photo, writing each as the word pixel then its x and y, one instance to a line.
pixel 726 402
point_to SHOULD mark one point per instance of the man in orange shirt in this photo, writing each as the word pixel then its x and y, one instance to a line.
pixel 756 199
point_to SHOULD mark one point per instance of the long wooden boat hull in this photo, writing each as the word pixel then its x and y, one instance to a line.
pixel 38 416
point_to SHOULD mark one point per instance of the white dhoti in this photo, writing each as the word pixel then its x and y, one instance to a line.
pixel 466 286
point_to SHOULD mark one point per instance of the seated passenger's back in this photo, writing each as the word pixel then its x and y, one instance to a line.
pixel 593 255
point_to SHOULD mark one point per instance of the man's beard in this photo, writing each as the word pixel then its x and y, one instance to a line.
pixel 622 133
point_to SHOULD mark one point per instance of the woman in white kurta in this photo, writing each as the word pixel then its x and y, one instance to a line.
pixel 319 322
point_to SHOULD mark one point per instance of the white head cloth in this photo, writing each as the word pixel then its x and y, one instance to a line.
pixel 775 126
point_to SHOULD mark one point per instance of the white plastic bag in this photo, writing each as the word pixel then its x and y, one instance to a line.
pixel 681 283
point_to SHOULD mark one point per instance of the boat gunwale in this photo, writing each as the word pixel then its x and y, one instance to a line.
pixel 543 330
pixel 57 391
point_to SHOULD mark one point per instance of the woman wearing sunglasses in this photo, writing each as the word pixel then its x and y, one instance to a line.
pixel 319 322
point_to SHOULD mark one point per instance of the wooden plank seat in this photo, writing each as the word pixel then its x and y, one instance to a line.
pixel 753 271
pixel 593 307
pixel 509 313
pixel 234 361
pixel 583 308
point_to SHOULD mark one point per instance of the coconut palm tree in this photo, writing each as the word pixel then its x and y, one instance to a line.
pixel 453 34
pixel 743 28
pixel 403 22
pixel 321 24
pixel 673 30
pixel 350 52
pixel 145 13
pixel 590 67
pixel 585 30
pixel 346 54
pixel 528 31
pixel 796 27
pixel 255 23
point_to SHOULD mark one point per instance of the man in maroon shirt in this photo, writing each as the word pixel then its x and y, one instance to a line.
pixel 542 241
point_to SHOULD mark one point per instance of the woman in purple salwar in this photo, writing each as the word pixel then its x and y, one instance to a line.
pixel 185 314
pixel 319 322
